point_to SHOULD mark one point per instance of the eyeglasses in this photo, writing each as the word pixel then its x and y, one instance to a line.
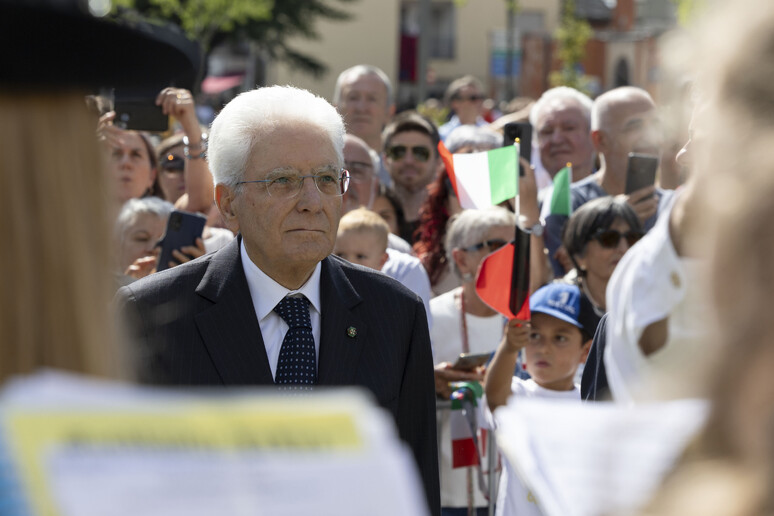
pixel 493 245
pixel 171 163
pixel 359 172
pixel 287 184
pixel 610 238
pixel 472 98
pixel 420 152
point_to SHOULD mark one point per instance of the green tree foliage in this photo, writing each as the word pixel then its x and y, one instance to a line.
pixel 269 24
pixel 572 36
pixel 687 9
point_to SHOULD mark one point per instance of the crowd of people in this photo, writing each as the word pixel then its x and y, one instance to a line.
pixel 336 253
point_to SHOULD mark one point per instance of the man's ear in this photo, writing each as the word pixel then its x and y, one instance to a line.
pixel 391 110
pixel 599 140
pixel 224 198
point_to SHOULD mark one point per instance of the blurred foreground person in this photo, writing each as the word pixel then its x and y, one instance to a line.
pixel 58 209
pixel 729 468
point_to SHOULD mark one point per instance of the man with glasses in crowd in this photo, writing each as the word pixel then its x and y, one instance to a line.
pixel 275 298
pixel 465 97
pixel 411 156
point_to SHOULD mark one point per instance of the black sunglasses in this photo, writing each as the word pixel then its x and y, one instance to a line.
pixel 493 245
pixel 610 238
pixel 420 152
pixel 172 163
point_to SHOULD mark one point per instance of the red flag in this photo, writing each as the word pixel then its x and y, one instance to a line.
pixel 448 161
pixel 503 278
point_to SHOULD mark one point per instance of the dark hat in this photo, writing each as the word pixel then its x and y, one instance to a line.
pixel 59 44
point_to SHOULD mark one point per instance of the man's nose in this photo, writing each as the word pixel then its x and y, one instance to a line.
pixel 309 194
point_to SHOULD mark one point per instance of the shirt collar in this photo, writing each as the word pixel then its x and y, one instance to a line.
pixel 270 293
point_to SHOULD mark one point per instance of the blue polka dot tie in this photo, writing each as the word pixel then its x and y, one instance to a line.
pixel 296 365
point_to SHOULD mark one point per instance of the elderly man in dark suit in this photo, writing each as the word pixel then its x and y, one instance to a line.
pixel 273 307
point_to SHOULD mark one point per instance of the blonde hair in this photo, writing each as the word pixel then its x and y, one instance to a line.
pixel 365 220
pixel 56 215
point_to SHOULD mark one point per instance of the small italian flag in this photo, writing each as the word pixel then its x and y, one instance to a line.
pixel 561 202
pixel 483 179
pixel 468 443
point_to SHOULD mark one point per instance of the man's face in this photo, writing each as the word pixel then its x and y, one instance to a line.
pixel 633 126
pixel 564 137
pixel 363 104
pixel 287 237
pixel 468 104
pixel 410 159
pixel 363 181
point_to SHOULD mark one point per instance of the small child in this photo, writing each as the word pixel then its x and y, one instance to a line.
pixel 362 238
pixel 555 344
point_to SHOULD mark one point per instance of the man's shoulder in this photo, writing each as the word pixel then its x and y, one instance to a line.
pixel 585 190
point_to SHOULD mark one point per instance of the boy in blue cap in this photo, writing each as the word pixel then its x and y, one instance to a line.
pixel 555 343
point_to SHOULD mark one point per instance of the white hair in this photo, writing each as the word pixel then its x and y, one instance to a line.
pixel 473 136
pixel 561 93
pixel 134 207
pixel 253 115
pixel 357 71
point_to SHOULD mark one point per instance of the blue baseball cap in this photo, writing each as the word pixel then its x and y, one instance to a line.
pixel 560 300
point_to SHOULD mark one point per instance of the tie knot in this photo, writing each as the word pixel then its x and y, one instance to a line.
pixel 294 311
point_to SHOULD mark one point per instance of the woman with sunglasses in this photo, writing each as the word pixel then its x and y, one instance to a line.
pixel 463 323
pixel 596 237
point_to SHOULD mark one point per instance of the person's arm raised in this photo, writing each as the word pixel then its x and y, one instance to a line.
pixel 199 189
pixel 499 374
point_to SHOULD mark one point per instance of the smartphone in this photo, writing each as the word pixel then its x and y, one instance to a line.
pixel 641 171
pixel 522 131
pixel 183 228
pixel 470 361
pixel 140 114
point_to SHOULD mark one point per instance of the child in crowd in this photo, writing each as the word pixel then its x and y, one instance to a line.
pixel 362 238
pixel 555 344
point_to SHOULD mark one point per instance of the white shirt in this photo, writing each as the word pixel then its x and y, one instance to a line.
pixel 513 497
pixel 412 274
pixel 651 283
pixel 266 294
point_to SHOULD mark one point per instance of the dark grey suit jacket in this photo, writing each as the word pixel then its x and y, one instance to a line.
pixel 195 325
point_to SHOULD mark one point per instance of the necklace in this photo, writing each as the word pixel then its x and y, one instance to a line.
pixel 597 309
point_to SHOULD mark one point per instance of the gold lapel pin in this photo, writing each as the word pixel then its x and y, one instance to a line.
pixel 351 332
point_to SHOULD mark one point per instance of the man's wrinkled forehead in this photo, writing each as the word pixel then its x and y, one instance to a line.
pixel 561 106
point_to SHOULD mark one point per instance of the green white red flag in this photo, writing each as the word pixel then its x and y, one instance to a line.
pixel 483 179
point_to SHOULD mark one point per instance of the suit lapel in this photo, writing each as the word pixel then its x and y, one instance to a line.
pixel 230 328
pixel 343 334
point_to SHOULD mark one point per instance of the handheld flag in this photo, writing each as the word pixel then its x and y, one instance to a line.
pixel 483 179
pixel 561 201
pixel 503 278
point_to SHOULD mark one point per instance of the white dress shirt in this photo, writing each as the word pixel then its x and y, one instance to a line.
pixel 266 294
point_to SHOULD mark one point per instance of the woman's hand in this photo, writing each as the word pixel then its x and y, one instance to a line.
pixel 445 373
pixel 142 267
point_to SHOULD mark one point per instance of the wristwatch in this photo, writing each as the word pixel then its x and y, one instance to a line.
pixel 537 229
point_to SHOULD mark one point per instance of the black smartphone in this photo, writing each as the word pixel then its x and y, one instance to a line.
pixel 183 228
pixel 470 361
pixel 522 131
pixel 641 171
pixel 140 114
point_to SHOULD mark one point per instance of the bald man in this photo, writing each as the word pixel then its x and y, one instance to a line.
pixel 623 120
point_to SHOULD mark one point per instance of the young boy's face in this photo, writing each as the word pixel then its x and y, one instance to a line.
pixel 360 247
pixel 554 351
